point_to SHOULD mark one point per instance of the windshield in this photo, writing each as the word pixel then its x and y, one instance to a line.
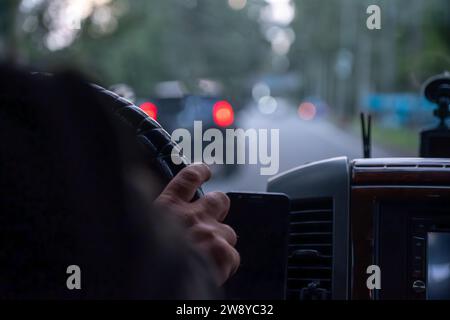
pixel 306 68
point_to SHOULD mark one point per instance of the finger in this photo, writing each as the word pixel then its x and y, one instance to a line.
pixel 224 256
pixel 204 232
pixel 236 262
pixel 215 204
pixel 228 233
pixel 228 261
pixel 187 181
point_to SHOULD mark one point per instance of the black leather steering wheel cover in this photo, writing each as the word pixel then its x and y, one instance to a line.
pixel 156 141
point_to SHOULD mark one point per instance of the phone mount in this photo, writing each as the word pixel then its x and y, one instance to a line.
pixel 435 143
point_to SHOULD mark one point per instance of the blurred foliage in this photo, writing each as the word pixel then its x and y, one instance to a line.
pixel 412 45
pixel 337 58
pixel 8 34
pixel 157 41
pixel 397 141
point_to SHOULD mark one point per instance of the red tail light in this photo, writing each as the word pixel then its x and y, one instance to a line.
pixel 150 109
pixel 223 113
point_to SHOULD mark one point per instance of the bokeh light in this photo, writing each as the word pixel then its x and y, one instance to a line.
pixel 267 105
pixel 307 111
pixel 150 109
pixel 237 4
pixel 260 90
pixel 223 114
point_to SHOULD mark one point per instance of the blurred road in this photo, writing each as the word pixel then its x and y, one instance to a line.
pixel 300 142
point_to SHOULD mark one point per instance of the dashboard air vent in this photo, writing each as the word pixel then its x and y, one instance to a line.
pixel 310 250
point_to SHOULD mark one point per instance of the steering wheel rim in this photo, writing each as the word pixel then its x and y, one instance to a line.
pixel 156 141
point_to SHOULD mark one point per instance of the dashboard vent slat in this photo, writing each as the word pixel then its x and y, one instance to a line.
pixel 310 250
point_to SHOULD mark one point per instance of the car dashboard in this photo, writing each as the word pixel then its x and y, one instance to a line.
pixel 347 216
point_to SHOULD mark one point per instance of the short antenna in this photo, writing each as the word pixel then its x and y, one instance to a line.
pixel 366 134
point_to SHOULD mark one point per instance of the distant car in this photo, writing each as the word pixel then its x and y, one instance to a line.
pixel 175 113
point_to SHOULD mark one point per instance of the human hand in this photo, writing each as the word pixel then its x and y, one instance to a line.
pixel 203 218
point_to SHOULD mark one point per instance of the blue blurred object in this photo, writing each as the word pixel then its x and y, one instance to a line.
pixel 399 109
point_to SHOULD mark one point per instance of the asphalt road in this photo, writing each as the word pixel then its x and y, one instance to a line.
pixel 300 142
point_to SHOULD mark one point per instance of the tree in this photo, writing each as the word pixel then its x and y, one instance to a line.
pixel 161 40
pixel 8 30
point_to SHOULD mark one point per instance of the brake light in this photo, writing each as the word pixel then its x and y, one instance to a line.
pixel 223 113
pixel 150 109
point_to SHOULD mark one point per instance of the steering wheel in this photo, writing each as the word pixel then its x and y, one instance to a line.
pixel 156 141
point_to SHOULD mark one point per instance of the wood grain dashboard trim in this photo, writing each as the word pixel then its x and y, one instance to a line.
pixel 375 183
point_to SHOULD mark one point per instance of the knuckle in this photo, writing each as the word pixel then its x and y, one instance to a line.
pixel 191 219
pixel 201 232
pixel 220 248
pixel 202 167
pixel 225 255
pixel 181 185
pixel 231 234
pixel 223 199
pixel 226 258
pixel 190 176
pixel 217 200
pixel 208 203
